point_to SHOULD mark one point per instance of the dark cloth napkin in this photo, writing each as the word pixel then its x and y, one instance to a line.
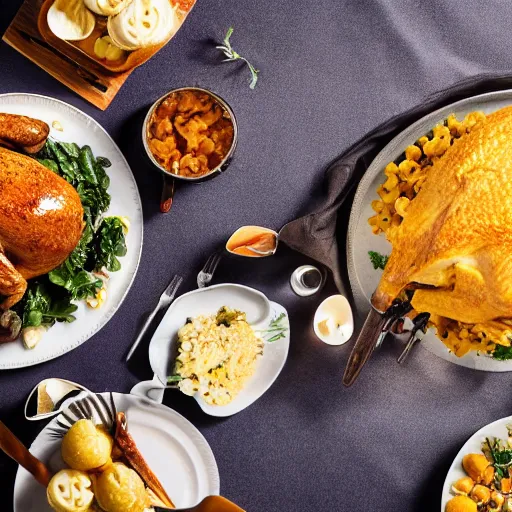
pixel 320 234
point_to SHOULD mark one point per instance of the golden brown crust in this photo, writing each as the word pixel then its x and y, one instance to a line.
pixel 457 234
pixel 41 217
pixel 23 132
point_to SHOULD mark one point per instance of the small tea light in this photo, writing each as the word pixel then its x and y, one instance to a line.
pixel 334 322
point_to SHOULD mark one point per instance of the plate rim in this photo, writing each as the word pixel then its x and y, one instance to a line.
pixel 113 310
pixel 505 419
pixel 167 410
pixel 206 408
pixel 371 173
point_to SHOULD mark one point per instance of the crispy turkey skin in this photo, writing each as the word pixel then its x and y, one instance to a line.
pixel 457 234
pixel 41 221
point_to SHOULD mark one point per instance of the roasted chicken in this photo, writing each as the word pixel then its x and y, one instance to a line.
pixel 41 216
pixel 454 245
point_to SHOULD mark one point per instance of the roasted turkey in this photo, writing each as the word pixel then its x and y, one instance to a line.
pixel 454 245
pixel 41 216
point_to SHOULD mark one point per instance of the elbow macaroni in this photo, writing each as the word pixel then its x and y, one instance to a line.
pixel 403 182
pixel 405 179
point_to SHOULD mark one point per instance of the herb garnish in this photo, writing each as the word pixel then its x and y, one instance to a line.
pixel 502 353
pixel 276 329
pixel 378 260
pixel 232 55
pixel 502 457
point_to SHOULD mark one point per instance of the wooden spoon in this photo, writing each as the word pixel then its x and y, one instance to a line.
pixel 13 447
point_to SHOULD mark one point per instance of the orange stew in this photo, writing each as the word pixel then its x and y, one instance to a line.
pixel 190 133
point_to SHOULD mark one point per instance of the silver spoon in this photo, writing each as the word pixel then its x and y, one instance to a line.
pixel 48 397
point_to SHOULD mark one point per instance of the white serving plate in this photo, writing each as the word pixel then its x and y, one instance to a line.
pixel 82 129
pixel 473 445
pixel 360 239
pixel 173 448
pixel 206 301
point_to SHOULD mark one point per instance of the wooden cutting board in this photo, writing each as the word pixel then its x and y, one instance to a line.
pixel 69 66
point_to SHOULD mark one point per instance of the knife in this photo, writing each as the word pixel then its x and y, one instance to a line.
pixel 368 339
pixel 375 329
pixel 83 73
pixel 15 449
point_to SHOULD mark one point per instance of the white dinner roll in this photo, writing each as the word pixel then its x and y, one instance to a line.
pixel 143 23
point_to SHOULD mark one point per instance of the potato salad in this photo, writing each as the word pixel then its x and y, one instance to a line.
pixel 216 355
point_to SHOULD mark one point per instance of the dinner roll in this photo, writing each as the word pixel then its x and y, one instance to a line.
pixel 120 489
pixel 86 446
pixel 70 491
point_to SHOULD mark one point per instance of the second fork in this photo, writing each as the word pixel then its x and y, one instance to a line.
pixel 165 300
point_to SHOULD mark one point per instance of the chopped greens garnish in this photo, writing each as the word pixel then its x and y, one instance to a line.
pixel 276 329
pixel 232 55
pixel 378 260
pixel 502 353
pixel 174 378
pixel 48 298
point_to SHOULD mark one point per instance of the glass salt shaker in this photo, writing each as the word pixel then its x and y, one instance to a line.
pixel 307 280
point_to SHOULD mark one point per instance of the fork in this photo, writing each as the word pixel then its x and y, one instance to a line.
pixel 85 408
pixel 165 300
pixel 205 276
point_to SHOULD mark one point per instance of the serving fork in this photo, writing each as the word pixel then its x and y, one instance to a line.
pixel 376 327
pixel 165 300
pixel 205 276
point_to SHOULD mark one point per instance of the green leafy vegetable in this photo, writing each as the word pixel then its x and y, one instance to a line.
pixel 174 378
pixel 232 55
pixel 103 162
pixel 110 244
pixel 71 149
pixel 87 174
pixel 378 260
pixel 50 164
pixel 38 308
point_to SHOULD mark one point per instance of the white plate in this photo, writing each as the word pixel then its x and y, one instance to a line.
pixel 82 129
pixel 473 445
pixel 173 448
pixel 360 239
pixel 260 312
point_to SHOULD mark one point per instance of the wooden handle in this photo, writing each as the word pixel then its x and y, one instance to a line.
pixel 364 346
pixel 218 504
pixel 13 447
pixel 167 194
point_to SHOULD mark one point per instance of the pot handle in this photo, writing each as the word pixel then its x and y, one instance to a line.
pixel 152 389
pixel 168 189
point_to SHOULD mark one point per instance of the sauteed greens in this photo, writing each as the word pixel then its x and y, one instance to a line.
pixel 49 298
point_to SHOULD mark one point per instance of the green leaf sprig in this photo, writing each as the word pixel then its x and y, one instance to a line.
pixel 232 55
pixel 378 260
pixel 276 330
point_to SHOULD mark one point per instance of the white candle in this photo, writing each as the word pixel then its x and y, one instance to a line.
pixel 334 322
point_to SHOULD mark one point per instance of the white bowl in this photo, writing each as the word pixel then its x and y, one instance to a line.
pixel 206 301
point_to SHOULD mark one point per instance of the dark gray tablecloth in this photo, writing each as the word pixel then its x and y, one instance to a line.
pixel 330 71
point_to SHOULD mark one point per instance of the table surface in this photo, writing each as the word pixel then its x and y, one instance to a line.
pixel 330 71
